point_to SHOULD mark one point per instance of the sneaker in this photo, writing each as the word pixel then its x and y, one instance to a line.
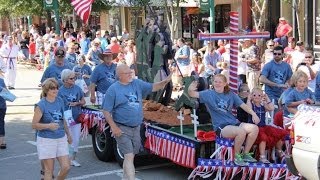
pixel 264 160
pixel 239 161
pixel 247 157
pixel 75 163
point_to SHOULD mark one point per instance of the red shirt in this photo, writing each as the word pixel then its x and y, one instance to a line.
pixel 283 29
pixel 32 48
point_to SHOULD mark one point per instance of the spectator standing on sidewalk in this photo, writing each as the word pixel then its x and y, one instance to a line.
pixel 9 52
pixel 283 31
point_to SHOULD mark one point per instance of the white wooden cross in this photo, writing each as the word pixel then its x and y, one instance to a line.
pixel 195 122
pixel 181 118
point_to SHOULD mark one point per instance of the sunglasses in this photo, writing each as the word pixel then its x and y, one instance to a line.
pixel 308 57
pixel 256 95
pixel 270 45
pixel 72 78
pixel 245 91
pixel 53 87
pixel 279 54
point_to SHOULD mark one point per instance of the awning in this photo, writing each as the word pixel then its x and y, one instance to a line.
pixel 193 10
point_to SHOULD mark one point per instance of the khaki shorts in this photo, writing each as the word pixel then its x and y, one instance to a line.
pixel 130 140
pixel 52 148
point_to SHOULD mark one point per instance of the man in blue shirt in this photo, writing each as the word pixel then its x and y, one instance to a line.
pixel 275 75
pixel 122 108
pixel 54 70
pixel 102 77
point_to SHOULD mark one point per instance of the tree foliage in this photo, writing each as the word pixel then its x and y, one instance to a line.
pixel 18 8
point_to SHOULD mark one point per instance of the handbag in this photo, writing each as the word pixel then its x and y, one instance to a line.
pixel 68 117
pixel 7 95
pixel 82 84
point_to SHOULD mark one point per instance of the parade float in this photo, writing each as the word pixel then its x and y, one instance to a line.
pixel 171 131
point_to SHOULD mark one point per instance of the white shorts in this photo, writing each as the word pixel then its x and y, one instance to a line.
pixel 51 148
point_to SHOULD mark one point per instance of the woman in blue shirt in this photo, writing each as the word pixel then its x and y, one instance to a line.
pixel 219 103
pixel 73 98
pixel 53 134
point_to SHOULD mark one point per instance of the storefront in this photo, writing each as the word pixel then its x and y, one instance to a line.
pixel 316 28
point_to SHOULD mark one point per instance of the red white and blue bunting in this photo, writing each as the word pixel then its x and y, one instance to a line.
pixel 217 169
pixel 92 118
pixel 170 146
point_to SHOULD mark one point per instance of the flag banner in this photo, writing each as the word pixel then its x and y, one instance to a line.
pixel 91 118
pixel 82 8
pixel 177 148
pixel 217 169
pixel 217 36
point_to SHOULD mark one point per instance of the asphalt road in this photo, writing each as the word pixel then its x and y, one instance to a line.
pixel 20 161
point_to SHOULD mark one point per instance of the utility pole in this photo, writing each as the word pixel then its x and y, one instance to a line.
pixel 212 17
pixel 56 16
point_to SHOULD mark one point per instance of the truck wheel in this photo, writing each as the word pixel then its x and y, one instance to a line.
pixel 119 156
pixel 103 144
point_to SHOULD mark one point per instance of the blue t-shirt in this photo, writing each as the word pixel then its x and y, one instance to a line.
pixel 210 59
pixel 51 112
pixel 294 96
pixel 84 45
pixel 3 104
pixel 261 113
pixel 71 59
pixel 84 70
pixel 54 71
pixel 72 94
pixel 95 56
pixel 124 102
pixel 184 50
pixel 317 89
pixel 103 76
pixel 277 73
pixel 104 43
pixel 220 107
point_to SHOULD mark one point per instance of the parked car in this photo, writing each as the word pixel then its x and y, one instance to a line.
pixel 305 158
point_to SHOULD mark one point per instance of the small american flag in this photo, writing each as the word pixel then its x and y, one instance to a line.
pixel 166 145
pixel 82 8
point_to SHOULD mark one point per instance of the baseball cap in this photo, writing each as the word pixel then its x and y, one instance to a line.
pixel 60 52
pixel 282 19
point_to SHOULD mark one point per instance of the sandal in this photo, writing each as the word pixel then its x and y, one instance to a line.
pixel 3 146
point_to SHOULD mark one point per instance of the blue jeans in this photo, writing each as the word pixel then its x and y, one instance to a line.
pixel 2 115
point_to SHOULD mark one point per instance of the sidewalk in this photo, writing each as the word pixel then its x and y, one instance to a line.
pixel 26 90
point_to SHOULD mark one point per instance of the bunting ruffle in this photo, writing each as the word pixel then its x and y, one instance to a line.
pixel 180 150
pixel 92 118
pixel 217 169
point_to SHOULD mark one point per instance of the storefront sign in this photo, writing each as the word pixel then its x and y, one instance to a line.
pixel 48 4
pixel 204 5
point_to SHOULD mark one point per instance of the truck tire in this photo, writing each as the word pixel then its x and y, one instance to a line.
pixel 102 143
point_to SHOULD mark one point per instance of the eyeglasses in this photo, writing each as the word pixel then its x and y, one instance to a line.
pixel 279 54
pixel 127 73
pixel 308 57
pixel 72 78
pixel 270 45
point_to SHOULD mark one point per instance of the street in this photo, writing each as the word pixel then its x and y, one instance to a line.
pixel 20 161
